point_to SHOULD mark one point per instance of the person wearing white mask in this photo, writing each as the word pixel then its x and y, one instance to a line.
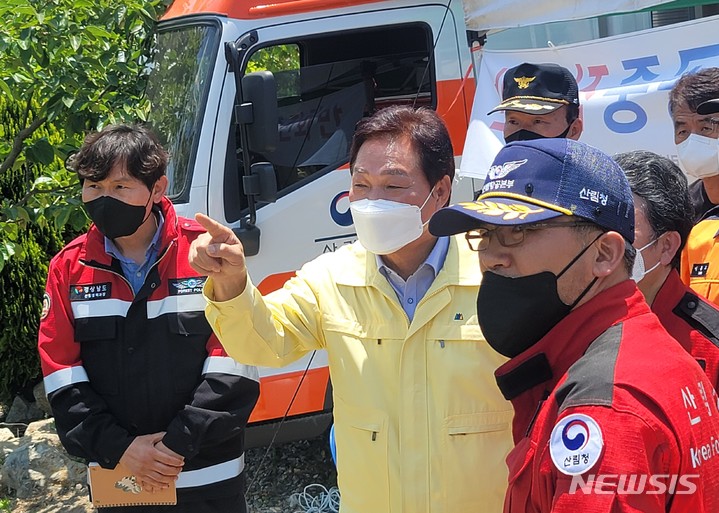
pixel 696 135
pixel 420 424
pixel 662 213
pixel 694 107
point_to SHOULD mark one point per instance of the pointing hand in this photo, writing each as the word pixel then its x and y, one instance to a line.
pixel 219 254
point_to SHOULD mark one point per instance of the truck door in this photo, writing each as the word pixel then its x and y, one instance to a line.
pixel 329 73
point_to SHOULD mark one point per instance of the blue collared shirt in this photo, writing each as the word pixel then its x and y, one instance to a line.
pixel 136 273
pixel 412 291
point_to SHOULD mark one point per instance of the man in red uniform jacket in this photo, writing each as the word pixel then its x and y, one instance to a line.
pixel 131 367
pixel 611 414
pixel 663 215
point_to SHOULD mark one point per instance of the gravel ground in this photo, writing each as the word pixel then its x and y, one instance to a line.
pixel 287 469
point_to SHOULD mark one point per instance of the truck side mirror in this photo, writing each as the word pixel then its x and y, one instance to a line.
pixel 260 187
pixel 260 90
pixel 249 235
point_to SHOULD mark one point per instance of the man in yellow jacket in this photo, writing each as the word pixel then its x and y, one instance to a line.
pixel 420 424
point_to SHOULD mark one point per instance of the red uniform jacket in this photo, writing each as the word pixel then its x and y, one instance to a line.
pixel 117 365
pixel 692 320
pixel 611 415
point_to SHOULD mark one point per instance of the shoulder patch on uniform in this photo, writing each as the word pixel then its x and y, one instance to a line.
pixel 590 380
pixel 45 306
pixel 576 444
pixel 699 270
pixel 700 315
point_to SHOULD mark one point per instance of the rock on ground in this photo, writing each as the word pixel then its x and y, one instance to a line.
pixel 44 479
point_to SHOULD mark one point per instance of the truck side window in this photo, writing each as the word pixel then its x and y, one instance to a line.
pixel 325 84
pixel 181 65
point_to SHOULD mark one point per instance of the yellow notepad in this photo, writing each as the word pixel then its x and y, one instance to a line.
pixel 118 487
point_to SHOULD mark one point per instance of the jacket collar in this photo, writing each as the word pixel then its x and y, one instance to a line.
pixel 461 267
pixel 526 379
pixel 669 295
pixel 93 249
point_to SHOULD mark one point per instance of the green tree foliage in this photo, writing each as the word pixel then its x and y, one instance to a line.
pixel 22 280
pixel 66 67
pixel 284 62
pixel 75 65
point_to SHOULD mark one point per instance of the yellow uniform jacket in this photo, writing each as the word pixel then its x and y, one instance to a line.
pixel 420 424
pixel 700 259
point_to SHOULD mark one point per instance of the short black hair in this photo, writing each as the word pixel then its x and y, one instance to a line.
pixel 134 146
pixel 424 129
pixel 572 113
pixel 630 253
pixel 694 88
pixel 664 189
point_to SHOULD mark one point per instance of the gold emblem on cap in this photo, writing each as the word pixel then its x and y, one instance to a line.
pixel 535 106
pixel 523 82
pixel 508 212
pixel 519 103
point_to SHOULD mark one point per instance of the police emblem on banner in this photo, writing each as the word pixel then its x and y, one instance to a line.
pixel 576 444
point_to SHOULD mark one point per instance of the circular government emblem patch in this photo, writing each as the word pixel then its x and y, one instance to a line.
pixel 576 444
pixel 45 305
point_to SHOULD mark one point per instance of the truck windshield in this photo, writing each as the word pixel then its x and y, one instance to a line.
pixel 177 90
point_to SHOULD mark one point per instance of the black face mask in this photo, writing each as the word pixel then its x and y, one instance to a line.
pixel 515 313
pixel 528 135
pixel 115 218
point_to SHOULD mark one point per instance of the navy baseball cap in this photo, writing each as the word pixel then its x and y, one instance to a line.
pixel 538 89
pixel 535 180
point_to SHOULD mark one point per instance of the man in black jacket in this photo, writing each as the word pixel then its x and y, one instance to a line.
pixel 132 370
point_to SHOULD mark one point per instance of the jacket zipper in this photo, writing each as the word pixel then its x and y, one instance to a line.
pixel 545 396
pixel 107 269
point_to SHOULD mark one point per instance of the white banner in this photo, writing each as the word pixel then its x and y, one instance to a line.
pixel 490 14
pixel 624 83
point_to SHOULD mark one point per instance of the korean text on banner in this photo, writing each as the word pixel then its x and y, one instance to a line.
pixel 624 84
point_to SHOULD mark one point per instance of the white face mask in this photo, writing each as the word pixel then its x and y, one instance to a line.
pixel 384 226
pixel 639 271
pixel 699 156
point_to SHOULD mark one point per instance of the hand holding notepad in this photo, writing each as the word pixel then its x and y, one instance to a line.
pixel 145 470
pixel 119 487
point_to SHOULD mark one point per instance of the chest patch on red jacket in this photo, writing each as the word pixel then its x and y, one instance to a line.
pixel 182 286
pixel 90 292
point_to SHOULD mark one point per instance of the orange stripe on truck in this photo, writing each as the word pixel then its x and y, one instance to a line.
pixel 243 9
pixel 274 282
pixel 276 393
pixel 454 105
